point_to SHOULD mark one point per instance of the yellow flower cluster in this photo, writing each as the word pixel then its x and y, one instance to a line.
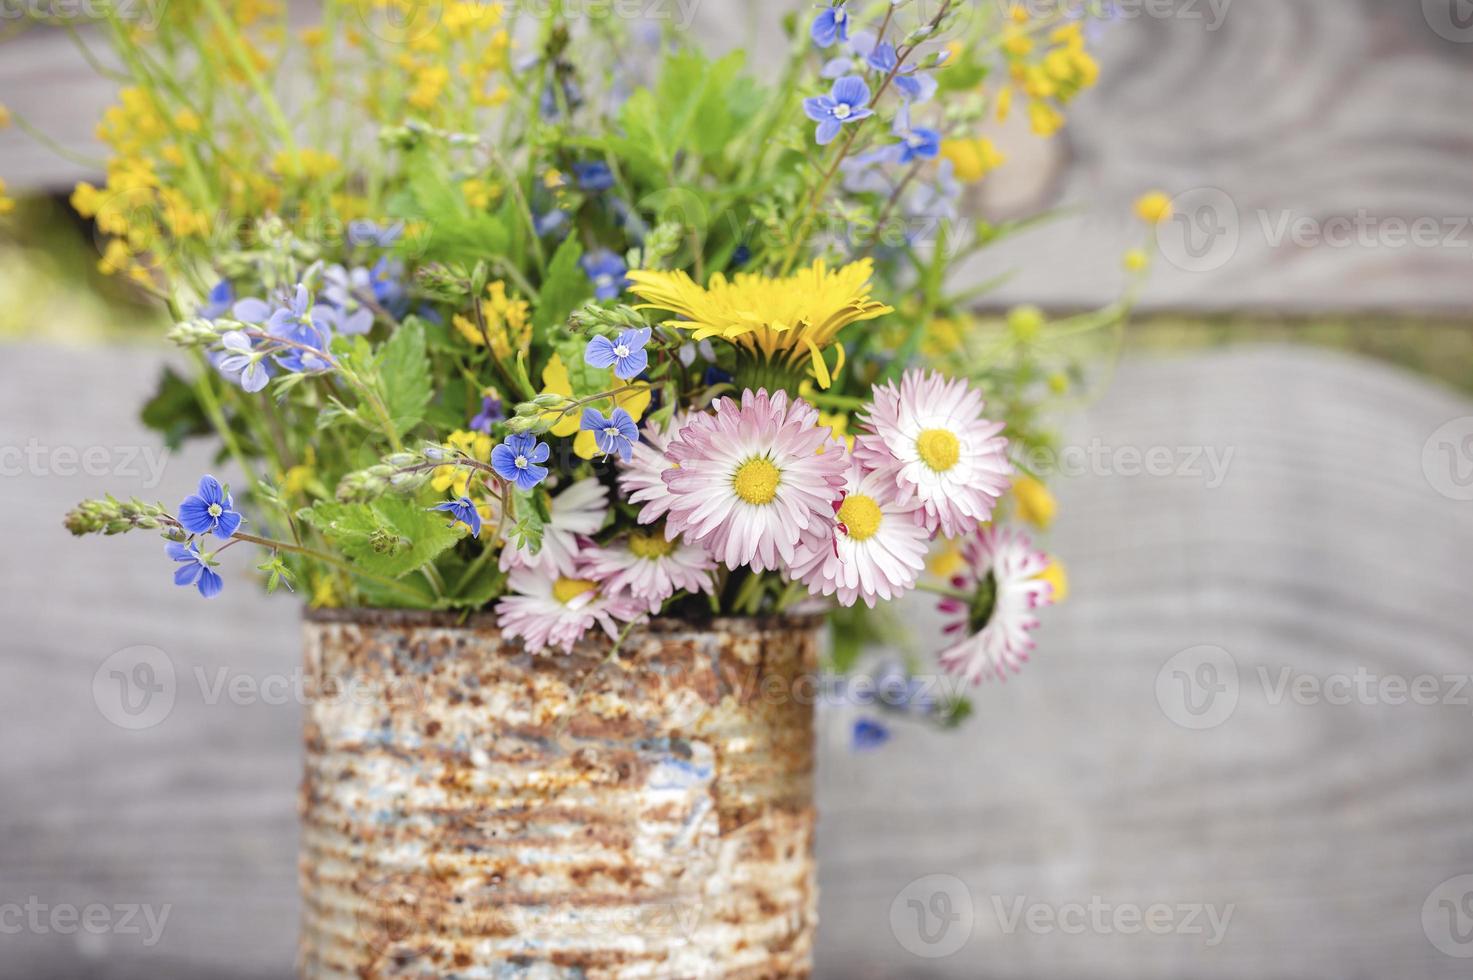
pixel 508 324
pixel 451 64
pixel 1050 74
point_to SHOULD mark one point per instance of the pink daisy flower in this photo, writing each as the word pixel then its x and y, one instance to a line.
pixel 749 479
pixel 1003 578
pixel 650 567
pixel 555 611
pixel 929 437
pixel 875 548
pixel 640 477
pixel 577 511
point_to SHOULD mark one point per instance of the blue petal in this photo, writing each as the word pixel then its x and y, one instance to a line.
pixel 593 420
pixel 827 130
pixel 186 574
pixel 210 490
pixel 819 108
pixel 635 339
pixel 538 453
pixel 631 366
pixel 179 551
pixel 194 515
pixel 210 583
pixel 251 310
pixel 227 525
pixel 851 90
pixel 599 353
pixel 824 30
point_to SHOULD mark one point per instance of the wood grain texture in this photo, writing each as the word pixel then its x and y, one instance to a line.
pixel 1295 110
pixel 1323 549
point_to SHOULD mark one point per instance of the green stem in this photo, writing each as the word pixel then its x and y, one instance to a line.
pixel 326 559
pixel 247 67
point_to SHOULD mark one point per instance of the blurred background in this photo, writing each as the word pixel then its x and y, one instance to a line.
pixel 1242 749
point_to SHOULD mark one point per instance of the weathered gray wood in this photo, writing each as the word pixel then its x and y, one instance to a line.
pixel 1312 110
pixel 1323 549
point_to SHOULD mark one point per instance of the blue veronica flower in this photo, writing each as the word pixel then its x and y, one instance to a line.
pixel 220 300
pixel 594 176
pixel 913 85
pixel 365 234
pixel 869 735
pixel 607 272
pixel 615 435
pixel 194 569
pixel 516 461
pixel 210 511
pixel 350 323
pixel 491 413
pixel 626 354
pixel 830 25
pixel 915 143
pixel 463 509
pixel 855 62
pixel 848 102
pixel 238 361
pixel 345 290
pixel 740 256
pixel 550 222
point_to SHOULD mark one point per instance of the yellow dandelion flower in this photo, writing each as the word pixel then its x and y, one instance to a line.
pixel 783 321
pixel 1153 208
pixel 1035 503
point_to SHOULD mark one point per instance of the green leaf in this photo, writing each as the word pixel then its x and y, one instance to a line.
pixel 564 290
pixel 459 233
pixel 404 369
pixel 392 537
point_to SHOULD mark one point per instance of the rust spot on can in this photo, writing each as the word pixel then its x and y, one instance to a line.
pixel 469 809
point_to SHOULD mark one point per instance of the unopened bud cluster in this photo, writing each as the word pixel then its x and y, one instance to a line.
pixel 113 516
pixel 539 415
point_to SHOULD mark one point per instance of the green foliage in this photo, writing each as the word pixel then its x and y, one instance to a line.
pixel 565 289
pixel 457 232
pixel 404 370
pixel 174 411
pixel 392 536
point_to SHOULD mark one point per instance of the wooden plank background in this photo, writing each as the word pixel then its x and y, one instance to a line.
pixel 1262 113
pixel 1322 547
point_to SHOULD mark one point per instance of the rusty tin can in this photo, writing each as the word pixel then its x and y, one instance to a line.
pixel 471 810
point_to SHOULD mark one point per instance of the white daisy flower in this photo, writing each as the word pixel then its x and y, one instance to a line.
pixel 650 567
pixel 556 611
pixel 929 438
pixel 640 477
pixel 874 549
pixel 578 510
pixel 1005 582
pixel 749 479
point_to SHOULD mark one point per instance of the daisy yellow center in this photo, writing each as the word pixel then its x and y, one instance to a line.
pixel 650 546
pixel 756 481
pixel 939 449
pixel 860 515
pixel 565 590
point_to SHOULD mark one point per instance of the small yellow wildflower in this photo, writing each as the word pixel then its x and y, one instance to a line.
pixel 1058 577
pixel 457 479
pixel 186 121
pixel 479 193
pixel 1004 104
pixel 1035 503
pixel 324 594
pixel 1045 119
pixel 7 204
pixel 4 116
pixel 947 559
pixel 971 159
pixel 1153 208
pixel 1058 382
pixel 1137 260
pixel 1025 322
pixel 553 179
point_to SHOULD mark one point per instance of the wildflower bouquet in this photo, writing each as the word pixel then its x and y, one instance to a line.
pixel 564 320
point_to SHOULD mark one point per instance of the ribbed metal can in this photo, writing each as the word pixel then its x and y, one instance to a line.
pixel 474 811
